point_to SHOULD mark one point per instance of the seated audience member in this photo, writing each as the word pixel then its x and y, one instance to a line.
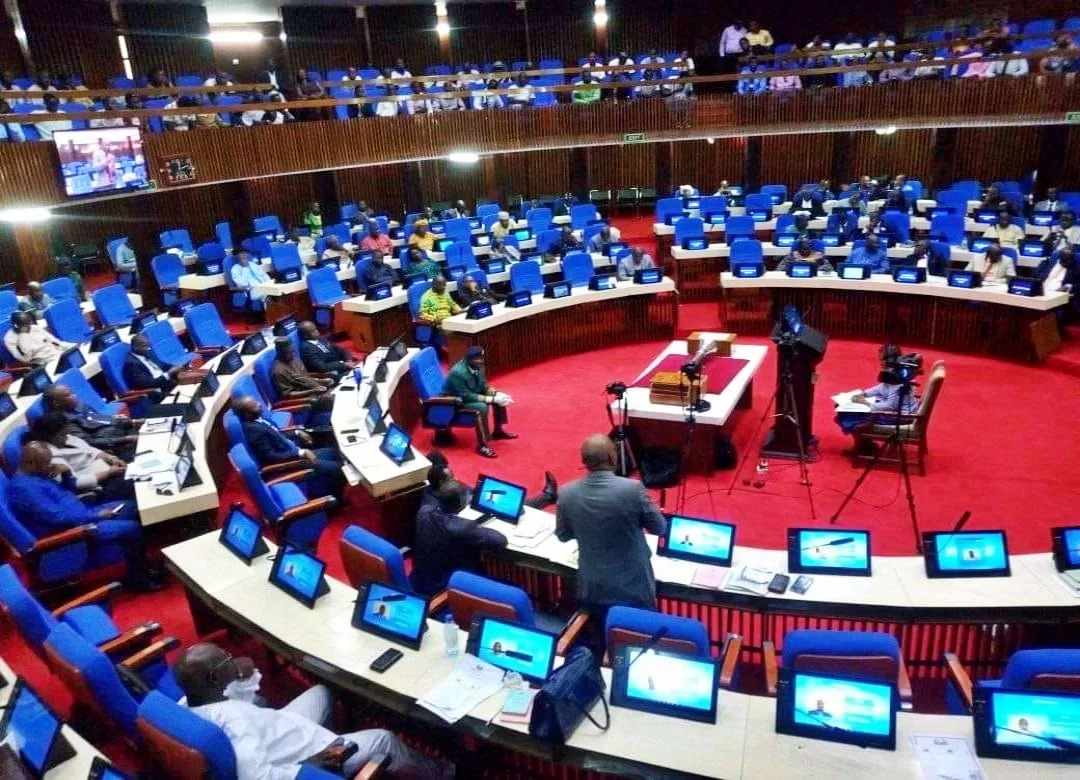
pixel 91 468
pixel 995 200
pixel 376 239
pixel 457 211
pixel 1005 232
pixel 387 107
pixel 36 300
pixel 500 250
pixel 484 98
pixel 246 275
pixel 46 127
pixel 400 70
pixel 181 122
pixel 1052 202
pixel 144 371
pixel 634 261
pixel 335 251
pixel 467 381
pixel 1059 273
pixel 42 497
pixel 804 252
pixel 322 356
pixel 378 272
pixel 9 130
pixel 31 343
pixel 268 445
pixel 421 237
pixel 289 375
pixel 568 241
pixel 606 236
pixel 1063 56
pixel 440 472
pixel 751 83
pixel 872 254
pixel 760 41
pixel 502 227
pixel 157 78
pixel 521 94
pixel 1064 234
pixel 800 226
pixel 113 433
pixel 418 102
pixel 787 80
pixel 995 266
pixel 275 743
pixel 925 255
pixel 882 398
pixel 417 262
pixel 436 304
pixel 586 90
pixel 447 542
pixel 470 291
pixel 818 80
pixel 446 97
pixel 812 199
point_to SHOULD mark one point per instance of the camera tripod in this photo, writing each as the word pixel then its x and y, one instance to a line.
pixel 620 434
pixel 895 441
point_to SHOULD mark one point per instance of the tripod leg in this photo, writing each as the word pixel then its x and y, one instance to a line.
pixel 804 471
pixel 858 483
pixel 906 474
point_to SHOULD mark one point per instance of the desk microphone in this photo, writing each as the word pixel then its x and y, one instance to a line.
pixel 1057 742
pixel 955 530
pixel 650 643
pixel 392 597
pixel 517 655
pixel 833 543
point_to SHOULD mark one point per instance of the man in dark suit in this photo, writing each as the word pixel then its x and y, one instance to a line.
pixel 467 382
pixel 112 433
pixel 144 371
pixel 606 514
pixel 269 445
pixel 322 356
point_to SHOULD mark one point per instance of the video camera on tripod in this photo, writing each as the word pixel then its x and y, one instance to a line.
pixel 616 388
pixel 897 368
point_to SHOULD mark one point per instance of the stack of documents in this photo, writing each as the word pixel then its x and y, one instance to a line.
pixel 845 404
pixel 465 688
pixel 749 579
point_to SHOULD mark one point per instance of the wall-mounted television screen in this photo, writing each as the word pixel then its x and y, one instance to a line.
pixel 100 161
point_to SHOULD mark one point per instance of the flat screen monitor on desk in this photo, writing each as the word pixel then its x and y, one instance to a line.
pixel 699 540
pixel 854 273
pixel 35 382
pixel 390 613
pixel 396 444
pixel 285 326
pixel 242 536
pixel 493 497
pixel 71 358
pixel 373 420
pixel 967 280
pixel 837 708
pixel 966 554
pixel 33 731
pixel 299 574
pixel 665 683
pixel 1043 218
pixel 751 270
pixel 615 247
pixel 1065 544
pixel 814 551
pixel 1027 725
pixel 513 647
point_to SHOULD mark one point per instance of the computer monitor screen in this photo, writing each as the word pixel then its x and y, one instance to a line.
pixel 1066 547
pixel 986 216
pixel 697 539
pixel 285 326
pixel 299 574
pixel 759 215
pixel 964 279
pixel 813 551
pixel 831 239
pixel 182 469
pixel 603 282
pixel 648 275
pixel 522 234
pixel 837 709
pixel 664 683
pixel 792 318
pixel 396 444
pixel 614 248
pixel 1027 725
pixel 1043 218
pixel 966 554
pixel 909 276
pixel 979 244
pixel 242 535
pixel 1032 249
pixel 853 272
pixel 785 239
pixel 514 647
pixel 748 270
pixel 390 613
pixel 373 417
pixel 72 358
pixel 800 270
pixel 30 727
pixel 492 496
pixel 102 160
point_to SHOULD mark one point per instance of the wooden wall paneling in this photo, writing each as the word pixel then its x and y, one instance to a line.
pixel 405 31
pixel 486 32
pixel 380 185
pixel 29 175
pixel 626 165
pixel 995 153
pixel 910 152
pixel 446 181
pixel 638 27
pixel 705 165
pixel 172 36
pixel 562 29
pixel 323 38
pixel 51 27
pixel 251 57
pixel 285 196
pixel 795 159
pixel 1070 176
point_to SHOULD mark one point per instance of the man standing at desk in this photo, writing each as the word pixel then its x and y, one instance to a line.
pixel 322 356
pixel 607 514
pixel 245 276
pixel 31 344
pixel 467 381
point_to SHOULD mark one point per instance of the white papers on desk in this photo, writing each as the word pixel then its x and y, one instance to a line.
pixel 845 404
pixel 465 688
pixel 158 425
pixel 946 758
pixel 749 579
pixel 150 463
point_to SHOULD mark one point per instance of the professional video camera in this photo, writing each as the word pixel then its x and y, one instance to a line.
pixel 898 368
pixel 616 388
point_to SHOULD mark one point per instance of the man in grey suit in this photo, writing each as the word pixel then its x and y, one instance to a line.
pixel 606 514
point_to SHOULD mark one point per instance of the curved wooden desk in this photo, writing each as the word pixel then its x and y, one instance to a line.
pixel 741 744
pixel 984 320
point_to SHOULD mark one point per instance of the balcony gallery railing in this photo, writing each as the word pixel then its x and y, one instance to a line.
pixel 228 154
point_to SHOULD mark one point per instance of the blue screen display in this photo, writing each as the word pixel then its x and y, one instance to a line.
pixel 801 270
pixel 1032 249
pixel 853 272
pixel 299 572
pixel 1027 719
pixel 971 551
pixel 786 239
pixel 496 497
pixel 793 318
pixel 560 290
pixel 964 279
pixel 615 247
pixel 759 215
pixel 1042 218
pixel 32 728
pixel 716 219
pixel 696 243
pixel 605 282
pixel 482 240
pixel 676 680
pixel 748 270
pixel 979 244
pixel 522 234
pixel 907 276
pixel 648 275
pixel 241 534
pixel 1070 542
pixel 395 612
pixel 986 216
pixel 858 706
pixel 395 444
pixel 517 649
pixel 843 550
pixel 830 239
pixel 700 538
pixel 496 266
pixel 939 211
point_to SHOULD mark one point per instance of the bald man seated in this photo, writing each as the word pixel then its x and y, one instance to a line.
pixel 30 343
pixel 42 497
pixel 271 744
pixel 113 433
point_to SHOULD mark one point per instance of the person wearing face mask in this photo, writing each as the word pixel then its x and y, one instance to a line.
pixel 30 344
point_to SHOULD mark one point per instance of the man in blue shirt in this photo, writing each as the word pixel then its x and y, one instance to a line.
pixel 750 83
pixel 42 497
pixel 378 272
pixel 245 275
pixel 871 254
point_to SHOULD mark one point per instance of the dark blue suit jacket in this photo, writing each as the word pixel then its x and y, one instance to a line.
pixel 267 444
pixel 138 376
pixel 46 506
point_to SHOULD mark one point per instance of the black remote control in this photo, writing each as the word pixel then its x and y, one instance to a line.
pixel 386 660
pixel 779 583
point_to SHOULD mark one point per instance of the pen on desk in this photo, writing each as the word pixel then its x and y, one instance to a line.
pixel 144 452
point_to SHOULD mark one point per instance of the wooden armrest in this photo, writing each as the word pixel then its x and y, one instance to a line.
pixel 373 769
pixel 291 406
pixel 438 603
pixel 441 399
pixel 284 465
pixel 63 539
pixel 321 504
pixel 292 476
pixel 209 350
pixel 772 675
pixel 729 661
pixel 96 596
pixel 297 394
pixel 131 640
pixel 136 395
pixel 903 683
pixel 151 653
pixel 573 630
pixel 17 370
pixel 960 678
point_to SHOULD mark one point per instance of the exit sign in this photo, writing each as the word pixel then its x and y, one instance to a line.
pixel 1071 118
pixel 639 138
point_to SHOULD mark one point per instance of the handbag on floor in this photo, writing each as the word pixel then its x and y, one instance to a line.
pixel 566 698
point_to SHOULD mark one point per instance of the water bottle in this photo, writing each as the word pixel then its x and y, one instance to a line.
pixel 450 636
pixel 358 375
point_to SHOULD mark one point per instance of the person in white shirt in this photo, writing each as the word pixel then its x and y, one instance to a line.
pixel 91 468
pixel 30 343
pixel 1063 234
pixel 245 275
pixel 652 58
pixel 483 99
pixel 1005 232
pixel 271 744
pixel 686 62
pixel 593 62
pixel 636 260
pixel 446 101
pixel 787 80
pixel 1052 202
pixel 1015 66
pixel 350 75
pixel 1062 274
pixel 470 76
pixel 843 56
pixel 730 48
pixel 521 93
pixel 417 102
pixel 400 71
pixel 388 107
pixel 995 266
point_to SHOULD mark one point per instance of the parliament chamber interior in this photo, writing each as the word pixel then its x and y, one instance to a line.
pixel 515 389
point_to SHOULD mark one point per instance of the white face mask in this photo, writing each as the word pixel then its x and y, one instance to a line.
pixel 244 690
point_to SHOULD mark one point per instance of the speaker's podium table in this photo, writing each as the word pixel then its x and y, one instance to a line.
pixel 730 387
